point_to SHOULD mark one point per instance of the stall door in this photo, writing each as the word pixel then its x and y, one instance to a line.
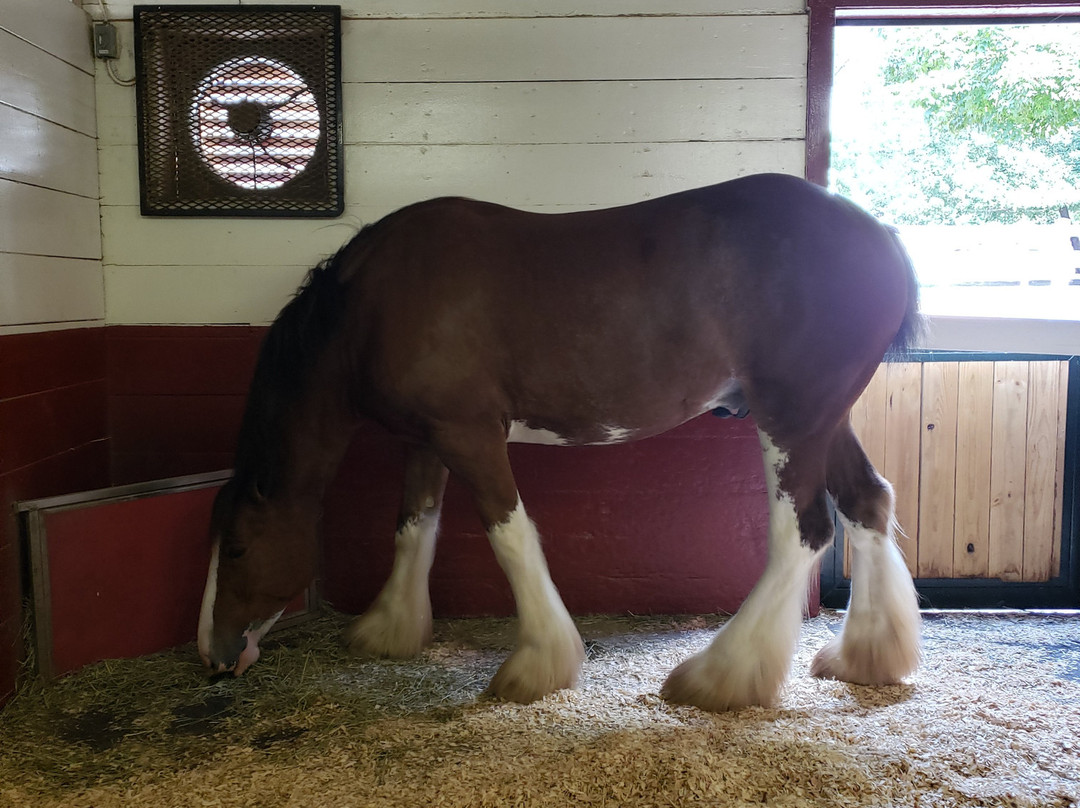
pixel 976 451
pixel 120 572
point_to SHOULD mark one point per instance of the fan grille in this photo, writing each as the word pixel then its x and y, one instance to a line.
pixel 238 110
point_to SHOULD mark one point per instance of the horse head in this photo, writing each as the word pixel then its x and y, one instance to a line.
pixel 263 556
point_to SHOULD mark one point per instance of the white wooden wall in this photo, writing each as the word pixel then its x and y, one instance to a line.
pixel 50 238
pixel 550 106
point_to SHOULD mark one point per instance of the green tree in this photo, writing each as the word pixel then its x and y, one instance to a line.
pixel 978 124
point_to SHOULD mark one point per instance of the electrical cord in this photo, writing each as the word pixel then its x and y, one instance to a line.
pixel 109 66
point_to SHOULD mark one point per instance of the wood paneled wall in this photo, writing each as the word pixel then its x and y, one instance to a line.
pixel 50 238
pixel 975 451
pixel 52 345
pixel 549 106
pixel 552 106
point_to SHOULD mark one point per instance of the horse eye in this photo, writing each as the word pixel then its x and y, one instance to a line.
pixel 233 551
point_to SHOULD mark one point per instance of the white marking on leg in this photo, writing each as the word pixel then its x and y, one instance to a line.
pixel 748 660
pixel 521 432
pixel 206 612
pixel 398 623
pixel 549 650
pixel 879 641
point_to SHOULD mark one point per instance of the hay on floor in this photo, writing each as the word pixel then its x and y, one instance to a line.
pixel 991 719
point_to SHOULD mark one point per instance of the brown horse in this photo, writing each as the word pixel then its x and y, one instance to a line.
pixel 460 326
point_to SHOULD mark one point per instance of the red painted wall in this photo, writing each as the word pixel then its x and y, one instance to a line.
pixel 99 609
pixel 672 524
pixel 176 396
pixel 53 440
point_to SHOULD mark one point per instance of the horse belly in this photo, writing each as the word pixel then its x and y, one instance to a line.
pixel 652 415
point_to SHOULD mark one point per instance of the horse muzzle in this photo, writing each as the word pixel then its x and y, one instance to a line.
pixel 225 657
pixel 239 655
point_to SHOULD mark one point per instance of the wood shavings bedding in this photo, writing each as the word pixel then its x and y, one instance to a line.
pixel 991 719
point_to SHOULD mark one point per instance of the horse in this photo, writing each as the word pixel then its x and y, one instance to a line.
pixel 460 326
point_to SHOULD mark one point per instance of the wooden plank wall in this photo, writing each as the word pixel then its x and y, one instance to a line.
pixel 50 233
pixel 547 106
pixel 975 451
pixel 52 345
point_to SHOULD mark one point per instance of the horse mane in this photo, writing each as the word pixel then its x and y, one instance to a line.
pixel 289 350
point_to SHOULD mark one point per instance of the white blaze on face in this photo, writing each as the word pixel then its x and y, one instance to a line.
pixel 206 613
pixel 254 633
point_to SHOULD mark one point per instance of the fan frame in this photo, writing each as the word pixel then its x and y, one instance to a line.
pixel 176 47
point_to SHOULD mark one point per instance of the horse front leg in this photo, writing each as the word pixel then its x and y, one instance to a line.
pixel 549 652
pixel 398 622
pixel 748 661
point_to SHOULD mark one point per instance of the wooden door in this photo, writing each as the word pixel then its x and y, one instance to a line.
pixel 976 453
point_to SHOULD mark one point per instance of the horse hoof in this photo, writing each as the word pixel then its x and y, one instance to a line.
pixel 716 687
pixel 874 661
pixel 532 672
pixel 377 633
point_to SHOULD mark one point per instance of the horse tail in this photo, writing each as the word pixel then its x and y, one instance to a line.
pixel 913 326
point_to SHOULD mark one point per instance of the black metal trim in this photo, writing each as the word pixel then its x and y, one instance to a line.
pixel 1048 18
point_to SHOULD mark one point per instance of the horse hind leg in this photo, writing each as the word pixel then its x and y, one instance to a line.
pixel 549 652
pixel 879 641
pixel 398 623
pixel 748 661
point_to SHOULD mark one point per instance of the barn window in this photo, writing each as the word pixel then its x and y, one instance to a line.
pixel 955 122
pixel 238 110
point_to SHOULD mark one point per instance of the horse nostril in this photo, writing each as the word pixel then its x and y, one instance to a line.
pixel 225 659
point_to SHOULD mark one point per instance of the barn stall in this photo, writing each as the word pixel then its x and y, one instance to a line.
pixel 128 340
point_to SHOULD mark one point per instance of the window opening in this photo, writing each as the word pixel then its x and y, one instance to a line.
pixel 963 135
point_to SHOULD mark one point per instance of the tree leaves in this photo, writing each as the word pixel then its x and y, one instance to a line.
pixel 998 120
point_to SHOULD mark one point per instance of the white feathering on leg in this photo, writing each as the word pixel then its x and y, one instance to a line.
pixel 549 651
pixel 879 642
pixel 398 623
pixel 748 661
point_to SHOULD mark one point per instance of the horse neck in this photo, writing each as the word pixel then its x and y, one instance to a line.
pixel 301 447
pixel 315 443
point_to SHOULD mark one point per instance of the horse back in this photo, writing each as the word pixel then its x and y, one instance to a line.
pixel 637 315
